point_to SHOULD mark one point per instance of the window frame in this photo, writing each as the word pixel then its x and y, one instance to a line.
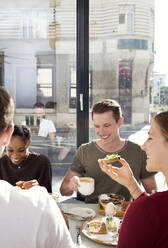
pixel 52 98
pixel 74 86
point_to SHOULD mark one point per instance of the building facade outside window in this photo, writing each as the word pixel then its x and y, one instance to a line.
pixel 126 19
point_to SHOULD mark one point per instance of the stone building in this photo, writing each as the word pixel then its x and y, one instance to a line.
pixel 122 54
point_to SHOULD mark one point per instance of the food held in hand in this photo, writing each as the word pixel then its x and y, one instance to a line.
pixel 20 184
pixel 97 227
pixel 111 158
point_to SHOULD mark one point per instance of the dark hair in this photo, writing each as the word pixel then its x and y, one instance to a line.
pixel 23 132
pixel 50 104
pixel 162 121
pixel 107 105
pixel 38 105
pixel 6 110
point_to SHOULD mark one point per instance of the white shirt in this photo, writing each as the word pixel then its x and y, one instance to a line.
pixel 46 127
pixel 31 219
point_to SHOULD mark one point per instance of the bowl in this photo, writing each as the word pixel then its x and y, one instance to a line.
pixel 116 199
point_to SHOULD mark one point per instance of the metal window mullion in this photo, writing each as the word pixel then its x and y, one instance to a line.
pixel 82 71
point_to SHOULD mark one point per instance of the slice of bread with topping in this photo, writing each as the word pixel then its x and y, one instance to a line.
pixel 97 227
pixel 112 158
pixel 20 183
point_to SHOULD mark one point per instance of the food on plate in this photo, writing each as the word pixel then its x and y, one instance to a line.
pixel 88 211
pixel 111 224
pixel 120 209
pixel 104 199
pixel 97 226
pixel 111 158
pixel 20 184
pixel 110 209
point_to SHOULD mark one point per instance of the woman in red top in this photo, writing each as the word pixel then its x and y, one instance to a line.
pixel 145 223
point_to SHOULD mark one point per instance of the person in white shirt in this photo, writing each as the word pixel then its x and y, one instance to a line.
pixel 29 218
pixel 46 127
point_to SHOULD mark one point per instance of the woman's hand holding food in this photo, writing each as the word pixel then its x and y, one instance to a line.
pixel 122 175
pixel 27 184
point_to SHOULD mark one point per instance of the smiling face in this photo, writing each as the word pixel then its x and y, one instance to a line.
pixel 156 148
pixel 17 150
pixel 106 126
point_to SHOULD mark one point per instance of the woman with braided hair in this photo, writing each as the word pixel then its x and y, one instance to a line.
pixel 21 165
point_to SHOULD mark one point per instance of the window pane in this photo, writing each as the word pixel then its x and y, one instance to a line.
pixel 132 44
pixel 121 18
pixel 45 76
pixel 45 92
pixel 35 68
pixel 129 23
pixel 72 98
pixel 121 65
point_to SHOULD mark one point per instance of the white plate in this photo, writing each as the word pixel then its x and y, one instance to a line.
pixel 80 213
pixel 105 239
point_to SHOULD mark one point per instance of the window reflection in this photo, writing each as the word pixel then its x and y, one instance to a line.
pixel 121 60
pixel 72 102
pixel 132 44
pixel 44 85
pixel 125 90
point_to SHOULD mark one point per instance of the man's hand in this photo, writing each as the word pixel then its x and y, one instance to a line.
pixel 74 183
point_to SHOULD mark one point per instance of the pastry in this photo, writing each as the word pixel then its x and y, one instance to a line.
pixel 97 227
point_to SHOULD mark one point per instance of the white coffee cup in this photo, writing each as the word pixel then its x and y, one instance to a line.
pixel 86 185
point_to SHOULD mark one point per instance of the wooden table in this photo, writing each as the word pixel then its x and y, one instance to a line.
pixel 86 243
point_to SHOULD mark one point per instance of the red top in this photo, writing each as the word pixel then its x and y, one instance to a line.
pixel 145 223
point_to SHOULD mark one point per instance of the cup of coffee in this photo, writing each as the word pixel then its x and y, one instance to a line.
pixel 86 185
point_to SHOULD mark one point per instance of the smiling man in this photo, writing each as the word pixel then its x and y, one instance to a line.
pixel 107 119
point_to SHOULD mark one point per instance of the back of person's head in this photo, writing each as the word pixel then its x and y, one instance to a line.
pixel 38 105
pixel 23 132
pixel 50 104
pixel 107 105
pixel 6 110
pixel 162 121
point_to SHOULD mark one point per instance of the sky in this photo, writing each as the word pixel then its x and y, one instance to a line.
pixel 161 36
